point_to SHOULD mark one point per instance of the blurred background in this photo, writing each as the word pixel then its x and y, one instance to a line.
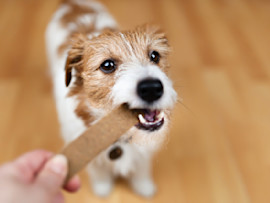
pixel 219 146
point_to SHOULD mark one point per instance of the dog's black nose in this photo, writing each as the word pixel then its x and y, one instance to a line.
pixel 150 90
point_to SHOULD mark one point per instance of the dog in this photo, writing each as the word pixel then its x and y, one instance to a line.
pixel 96 67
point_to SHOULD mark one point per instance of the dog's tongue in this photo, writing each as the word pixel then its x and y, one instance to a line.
pixel 149 115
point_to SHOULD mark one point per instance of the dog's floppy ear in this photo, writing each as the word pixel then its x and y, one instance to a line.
pixel 75 56
pixel 72 63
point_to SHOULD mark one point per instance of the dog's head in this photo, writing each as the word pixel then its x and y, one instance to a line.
pixel 126 67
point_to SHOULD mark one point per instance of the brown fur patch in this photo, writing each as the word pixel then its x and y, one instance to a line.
pixel 83 112
pixel 75 55
pixel 81 29
pixel 145 39
pixel 74 12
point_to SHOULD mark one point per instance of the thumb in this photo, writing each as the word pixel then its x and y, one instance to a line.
pixel 53 175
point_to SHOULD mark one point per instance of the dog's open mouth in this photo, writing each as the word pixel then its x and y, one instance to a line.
pixel 150 120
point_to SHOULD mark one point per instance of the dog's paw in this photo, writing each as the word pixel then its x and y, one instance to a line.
pixel 102 189
pixel 145 187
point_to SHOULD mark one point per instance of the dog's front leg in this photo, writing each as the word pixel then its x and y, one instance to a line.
pixel 101 179
pixel 141 179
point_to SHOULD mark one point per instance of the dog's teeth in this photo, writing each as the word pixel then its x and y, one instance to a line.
pixel 161 115
pixel 141 118
pixel 157 121
pixel 145 122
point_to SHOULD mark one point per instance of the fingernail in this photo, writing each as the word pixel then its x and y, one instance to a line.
pixel 58 164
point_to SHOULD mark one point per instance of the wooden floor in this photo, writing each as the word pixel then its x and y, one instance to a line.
pixel 219 146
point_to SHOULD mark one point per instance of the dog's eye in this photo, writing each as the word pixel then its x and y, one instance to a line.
pixel 108 66
pixel 155 57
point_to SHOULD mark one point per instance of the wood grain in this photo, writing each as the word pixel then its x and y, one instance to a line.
pixel 219 145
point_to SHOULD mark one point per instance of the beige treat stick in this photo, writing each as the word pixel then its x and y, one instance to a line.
pixel 97 138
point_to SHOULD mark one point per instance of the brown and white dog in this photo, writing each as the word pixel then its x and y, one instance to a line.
pixel 95 67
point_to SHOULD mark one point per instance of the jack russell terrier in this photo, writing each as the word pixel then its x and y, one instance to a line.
pixel 96 67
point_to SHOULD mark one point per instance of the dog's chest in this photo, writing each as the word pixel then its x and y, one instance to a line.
pixel 126 158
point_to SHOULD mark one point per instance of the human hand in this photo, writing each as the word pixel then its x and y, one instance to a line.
pixel 35 177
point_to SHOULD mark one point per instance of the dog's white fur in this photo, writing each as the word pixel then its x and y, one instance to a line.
pixel 135 163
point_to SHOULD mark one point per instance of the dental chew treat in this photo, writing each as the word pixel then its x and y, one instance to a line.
pixel 97 138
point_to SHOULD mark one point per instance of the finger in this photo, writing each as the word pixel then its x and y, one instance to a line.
pixel 73 185
pixel 8 170
pixel 29 164
pixel 59 198
pixel 52 177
